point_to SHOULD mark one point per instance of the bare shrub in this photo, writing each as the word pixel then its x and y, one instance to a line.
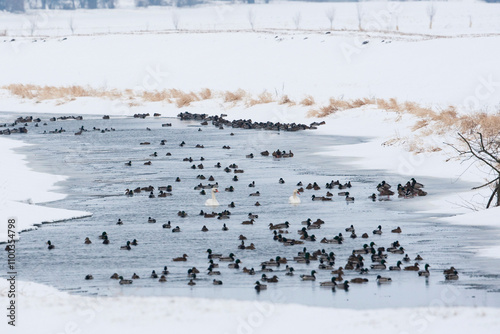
pixel 205 94
pixel 308 101
pixel 263 98
pixel 235 96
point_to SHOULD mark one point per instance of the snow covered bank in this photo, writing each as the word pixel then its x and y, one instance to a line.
pixel 45 310
pixel 21 188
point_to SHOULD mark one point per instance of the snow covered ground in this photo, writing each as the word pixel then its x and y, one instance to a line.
pixel 215 48
pixel 51 311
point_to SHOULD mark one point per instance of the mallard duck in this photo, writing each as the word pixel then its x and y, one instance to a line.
pixel 425 272
pixel 396 230
pixel 125 281
pixel 211 272
pixel 412 268
pixel 182 258
pixel 103 234
pixel 127 246
pixel 176 229
pixel 191 282
pixel 212 255
pixel 406 258
pixel 344 286
pixel 89 277
pixel 378 230
pixel 289 271
pixel 213 264
pixel 235 265
pixel 224 227
pixel 153 274
pixel 216 282
pixel 359 280
pixel 135 276
pixel 204 229
pixel 452 270
pixel 349 198
pixel 248 222
pixel 381 279
pixel 379 266
pixel 309 277
pixel 365 236
pixel 418 258
pixel 119 222
pixel 251 247
pixel 265 269
pixel 339 271
pixel 257 204
pixel 128 163
pixel 452 276
pixel 257 193
pixel 350 229
pixel 134 242
pixel 51 246
pixel 273 279
pixel 259 286
pixel 151 220
pixel 415 184
pixel 329 283
pixel 229 258
pixel 162 279
pixel 399 250
pixel 87 241
pixel 167 225
pixel 115 276
pixel 397 266
pixel 165 271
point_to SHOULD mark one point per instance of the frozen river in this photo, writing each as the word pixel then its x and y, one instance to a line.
pixel 98 177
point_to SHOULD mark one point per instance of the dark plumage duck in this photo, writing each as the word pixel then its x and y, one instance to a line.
pixel 87 241
pixel 51 246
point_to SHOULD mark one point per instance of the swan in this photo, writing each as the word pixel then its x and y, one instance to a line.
pixel 212 201
pixel 294 199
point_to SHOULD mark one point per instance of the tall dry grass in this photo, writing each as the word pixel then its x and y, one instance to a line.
pixel 262 98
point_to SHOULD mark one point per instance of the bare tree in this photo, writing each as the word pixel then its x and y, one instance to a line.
pixel 296 20
pixel 361 13
pixel 175 20
pixel 330 15
pixel 487 152
pixel 251 18
pixel 431 12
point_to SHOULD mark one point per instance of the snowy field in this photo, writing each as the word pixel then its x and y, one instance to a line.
pixel 287 52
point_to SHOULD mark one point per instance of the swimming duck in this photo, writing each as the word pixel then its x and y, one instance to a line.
pixel 151 220
pixel 176 229
pixel 211 272
pixel 89 277
pixel 359 280
pixel 204 229
pixel 182 258
pixel 154 274
pixel 309 277
pixel 165 271
pixel 248 222
pixel 412 268
pixel 229 258
pixel 167 225
pixel 115 276
pixel 134 242
pixel 217 282
pixel 406 258
pixel 162 279
pixel 396 230
pixel 212 255
pixel 379 266
pixel 329 283
pixel 257 204
pixel 252 185
pixel 281 181
pixel 103 235
pixel 127 246
pixel 381 279
pixel 294 199
pixel 425 272
pixel 119 222
pixel 396 267
pixel 124 281
pixel 235 265
pixel 128 163
pixel 365 236
pixel 378 230
pixel 259 286
pixel 449 271
pixel 51 246
pixel 135 276
pixel 418 258
pixel 344 286
pixel 87 241
pixel 451 276
pixel 224 227
pixel 231 205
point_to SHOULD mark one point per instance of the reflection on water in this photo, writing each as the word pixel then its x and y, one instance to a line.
pixel 95 162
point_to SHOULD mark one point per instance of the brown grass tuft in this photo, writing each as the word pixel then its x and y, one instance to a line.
pixel 235 96
pixel 308 101
pixel 263 98
pixel 205 94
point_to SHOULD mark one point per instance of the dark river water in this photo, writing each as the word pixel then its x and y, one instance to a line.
pixel 98 177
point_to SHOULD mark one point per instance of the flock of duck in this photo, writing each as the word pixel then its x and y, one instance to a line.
pixel 269 271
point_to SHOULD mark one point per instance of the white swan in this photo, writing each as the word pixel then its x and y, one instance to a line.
pixel 294 199
pixel 212 201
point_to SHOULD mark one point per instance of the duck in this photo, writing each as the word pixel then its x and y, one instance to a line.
pixel 258 204
pixel 281 181
pixel 328 283
pixel 359 280
pixel 259 286
pixel 406 258
pixel 344 286
pixel 294 199
pixel 135 276
pixel 165 271
pixel 248 222
pixel 252 185
pixel 415 184
pixel 128 163
pixel 235 265
pixel 211 272
pixel 379 266
pixel 151 220
pixel 176 229
pixel 51 246
pixel 89 277
pixel 115 276
pixel 153 274
pixel 125 281
pixel 350 229
pixel 204 229
pixel 412 268
pixel 224 227
pixel 289 271
pixel 242 237
pixel 381 279
pixel 452 276
pixel 87 241
pixel 418 258
pixel 216 282
pixel 251 247
pixel 378 230
pixel 119 222
pixel 231 205
pixel 182 258
pixel 396 230
pixel 425 272
pixel 229 258
pixel 212 255
pixel 212 201
pixel 167 225
pixel 257 193
pixel 127 246
pixel 365 236
pixel 309 277
pixel 449 271
pixel 397 266
pixel 106 240
pixel 162 279
pixel 191 282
